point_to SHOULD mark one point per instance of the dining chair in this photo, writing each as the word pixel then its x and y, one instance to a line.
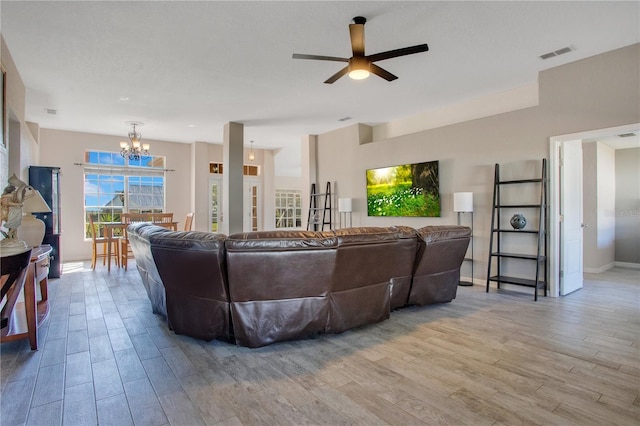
pixel 163 217
pixel 188 222
pixel 103 241
pixel 125 249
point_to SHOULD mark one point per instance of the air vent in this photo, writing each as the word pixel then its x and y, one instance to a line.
pixel 51 111
pixel 626 135
pixel 344 119
pixel 556 53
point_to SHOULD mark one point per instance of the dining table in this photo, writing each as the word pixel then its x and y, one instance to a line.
pixel 109 227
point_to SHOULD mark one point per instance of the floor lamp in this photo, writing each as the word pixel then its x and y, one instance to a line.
pixel 463 203
pixel 344 207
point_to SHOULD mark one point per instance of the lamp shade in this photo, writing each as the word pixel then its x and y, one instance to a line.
pixel 344 205
pixel 35 204
pixel 463 201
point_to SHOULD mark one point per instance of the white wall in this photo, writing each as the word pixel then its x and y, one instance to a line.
pixel 598 92
pixel 22 149
pixel 627 205
pixel 599 188
pixel 590 205
pixel 606 205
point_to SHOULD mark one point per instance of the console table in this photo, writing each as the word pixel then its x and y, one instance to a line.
pixel 27 316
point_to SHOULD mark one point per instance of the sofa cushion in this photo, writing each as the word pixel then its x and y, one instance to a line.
pixel 192 266
pixel 279 284
pixel 437 271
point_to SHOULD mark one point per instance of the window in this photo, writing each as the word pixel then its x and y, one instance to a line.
pixel 114 185
pixel 288 208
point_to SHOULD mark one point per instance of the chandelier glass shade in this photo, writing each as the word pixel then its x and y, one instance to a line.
pixel 252 155
pixel 134 149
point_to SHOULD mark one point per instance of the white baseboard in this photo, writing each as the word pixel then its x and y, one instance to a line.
pixel 476 281
pixel 627 265
pixel 599 270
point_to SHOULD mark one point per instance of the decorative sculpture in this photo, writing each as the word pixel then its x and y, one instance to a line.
pixel 11 202
pixel 518 221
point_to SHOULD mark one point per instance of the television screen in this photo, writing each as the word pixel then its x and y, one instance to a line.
pixel 405 190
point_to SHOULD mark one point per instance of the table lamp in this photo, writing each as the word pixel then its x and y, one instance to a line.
pixel 31 231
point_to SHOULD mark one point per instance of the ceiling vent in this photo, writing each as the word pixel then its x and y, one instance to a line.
pixel 626 135
pixel 51 111
pixel 556 53
pixel 344 119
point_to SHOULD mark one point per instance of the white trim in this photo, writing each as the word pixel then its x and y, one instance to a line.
pixel 627 265
pixel 600 269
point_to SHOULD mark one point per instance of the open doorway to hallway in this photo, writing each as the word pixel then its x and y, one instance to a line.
pixel 607 204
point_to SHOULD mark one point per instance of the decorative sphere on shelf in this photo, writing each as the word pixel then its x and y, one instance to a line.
pixel 518 221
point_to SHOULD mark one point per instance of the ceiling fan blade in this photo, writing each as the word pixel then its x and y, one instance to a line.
pixel 382 72
pixel 337 75
pixel 357 39
pixel 319 58
pixel 398 52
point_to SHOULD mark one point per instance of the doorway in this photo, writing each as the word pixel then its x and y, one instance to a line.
pixel 561 160
pixel 251 203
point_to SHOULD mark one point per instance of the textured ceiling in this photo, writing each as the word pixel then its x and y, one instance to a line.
pixel 187 68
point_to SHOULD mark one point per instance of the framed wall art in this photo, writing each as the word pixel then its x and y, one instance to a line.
pixel 404 190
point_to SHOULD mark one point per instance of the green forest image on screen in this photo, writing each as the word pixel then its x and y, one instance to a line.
pixel 405 190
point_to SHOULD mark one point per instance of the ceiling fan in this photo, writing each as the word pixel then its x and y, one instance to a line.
pixel 360 66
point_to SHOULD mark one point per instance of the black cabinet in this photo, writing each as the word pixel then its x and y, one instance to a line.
pixel 47 181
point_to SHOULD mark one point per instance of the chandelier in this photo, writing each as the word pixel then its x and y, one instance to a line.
pixel 134 149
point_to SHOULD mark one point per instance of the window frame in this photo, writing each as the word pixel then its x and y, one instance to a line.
pixel 293 213
pixel 104 169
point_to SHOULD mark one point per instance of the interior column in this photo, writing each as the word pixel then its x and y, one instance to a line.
pixel 309 172
pixel 232 178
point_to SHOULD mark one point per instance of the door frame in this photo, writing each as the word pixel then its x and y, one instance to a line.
pixel 215 178
pixel 249 181
pixel 554 190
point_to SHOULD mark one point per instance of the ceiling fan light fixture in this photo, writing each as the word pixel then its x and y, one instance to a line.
pixel 359 74
pixel 359 68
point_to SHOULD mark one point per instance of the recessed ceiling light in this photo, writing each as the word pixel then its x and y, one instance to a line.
pixel 191 125
pixel 124 99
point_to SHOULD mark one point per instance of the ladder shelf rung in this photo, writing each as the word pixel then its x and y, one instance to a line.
pixel 519 231
pixel 509 182
pixel 517 281
pixel 519 256
pixel 519 206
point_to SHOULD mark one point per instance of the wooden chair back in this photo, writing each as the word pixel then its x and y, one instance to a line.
pixel 188 222
pixel 163 217
pixel 136 217
pixel 94 231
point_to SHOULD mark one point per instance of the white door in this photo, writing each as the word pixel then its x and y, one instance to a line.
pixel 215 204
pixel 571 225
pixel 251 205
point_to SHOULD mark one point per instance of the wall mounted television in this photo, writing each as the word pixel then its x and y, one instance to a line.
pixel 405 190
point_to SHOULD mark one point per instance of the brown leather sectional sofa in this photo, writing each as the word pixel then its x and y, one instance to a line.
pixel 257 288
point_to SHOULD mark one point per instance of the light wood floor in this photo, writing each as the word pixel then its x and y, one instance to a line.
pixel 484 359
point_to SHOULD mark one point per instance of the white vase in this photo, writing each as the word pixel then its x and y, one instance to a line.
pixel 31 231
